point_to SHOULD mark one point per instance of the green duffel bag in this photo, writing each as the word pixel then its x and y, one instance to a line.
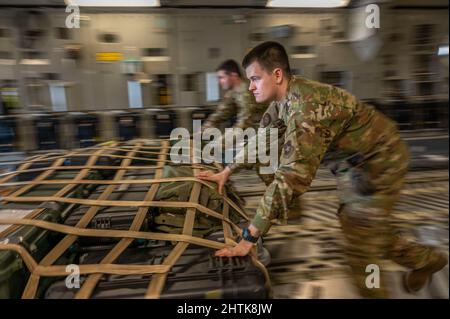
pixel 171 220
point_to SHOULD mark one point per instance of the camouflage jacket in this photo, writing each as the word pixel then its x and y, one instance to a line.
pixel 240 103
pixel 321 121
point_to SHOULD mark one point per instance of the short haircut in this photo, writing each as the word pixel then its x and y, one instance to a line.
pixel 269 55
pixel 230 66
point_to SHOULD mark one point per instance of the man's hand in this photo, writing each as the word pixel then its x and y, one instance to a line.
pixel 219 178
pixel 241 249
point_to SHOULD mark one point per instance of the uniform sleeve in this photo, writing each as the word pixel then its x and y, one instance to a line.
pixel 269 140
pixel 309 133
pixel 267 121
pixel 225 110
pixel 240 161
pixel 249 111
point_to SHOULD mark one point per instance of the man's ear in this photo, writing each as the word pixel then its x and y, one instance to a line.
pixel 278 75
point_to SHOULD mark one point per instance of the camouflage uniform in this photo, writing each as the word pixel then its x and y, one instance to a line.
pixel 368 157
pixel 240 103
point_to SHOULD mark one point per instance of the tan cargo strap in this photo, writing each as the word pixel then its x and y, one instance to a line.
pixel 103 149
pixel 156 285
pixel 62 192
pixel 96 167
pixel 87 232
pixel 119 182
pixel 108 182
pixel 41 177
pixel 107 266
pixel 145 159
pixel 20 168
pixel 91 282
pixel 33 282
pixel 112 269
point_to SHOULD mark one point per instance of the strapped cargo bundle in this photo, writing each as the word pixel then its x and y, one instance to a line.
pixel 134 224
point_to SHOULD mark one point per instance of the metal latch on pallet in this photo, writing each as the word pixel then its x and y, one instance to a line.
pixel 11 240
pixel 101 223
pixel 50 205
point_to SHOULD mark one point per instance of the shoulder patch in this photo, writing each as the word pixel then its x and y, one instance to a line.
pixel 288 149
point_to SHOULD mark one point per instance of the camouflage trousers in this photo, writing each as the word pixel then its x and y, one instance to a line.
pixel 367 195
